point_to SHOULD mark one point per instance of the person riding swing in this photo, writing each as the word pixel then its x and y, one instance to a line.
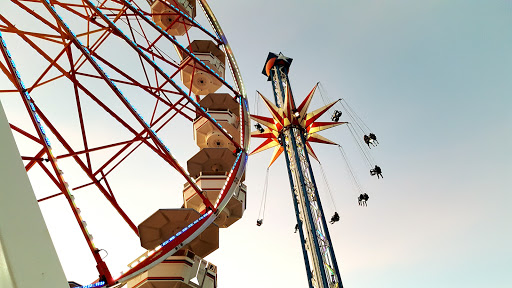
pixel 335 218
pixel 367 139
pixel 362 199
pixel 373 138
pixel 259 128
pixel 376 171
pixel 336 116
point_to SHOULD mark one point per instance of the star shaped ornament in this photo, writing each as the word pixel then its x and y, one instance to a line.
pixel 289 115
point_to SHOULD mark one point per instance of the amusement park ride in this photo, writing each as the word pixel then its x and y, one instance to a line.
pixel 100 87
pixel 290 130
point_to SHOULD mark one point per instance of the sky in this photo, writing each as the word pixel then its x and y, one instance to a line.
pixel 432 81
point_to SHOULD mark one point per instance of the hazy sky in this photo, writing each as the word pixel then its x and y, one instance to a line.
pixel 433 80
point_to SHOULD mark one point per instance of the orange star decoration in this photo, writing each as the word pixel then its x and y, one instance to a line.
pixel 287 116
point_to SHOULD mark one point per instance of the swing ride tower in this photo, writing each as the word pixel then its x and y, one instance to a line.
pixel 289 131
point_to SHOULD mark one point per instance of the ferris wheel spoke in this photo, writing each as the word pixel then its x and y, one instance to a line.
pixel 50 66
pixel 37 16
pixel 78 105
pixel 104 177
pixel 150 45
pixel 159 55
pixel 50 197
pixel 97 148
pixel 120 161
pixel 145 38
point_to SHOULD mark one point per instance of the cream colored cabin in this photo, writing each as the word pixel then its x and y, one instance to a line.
pixel 223 108
pixel 170 20
pixel 182 270
pixel 167 222
pixel 210 167
pixel 197 78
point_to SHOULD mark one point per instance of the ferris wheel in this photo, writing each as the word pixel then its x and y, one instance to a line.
pixel 108 99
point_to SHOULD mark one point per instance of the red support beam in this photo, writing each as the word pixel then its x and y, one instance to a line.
pixel 49 197
pixel 79 107
pixel 26 134
pixel 34 159
pixel 98 148
pixel 55 180
pixel 128 144
pixel 87 171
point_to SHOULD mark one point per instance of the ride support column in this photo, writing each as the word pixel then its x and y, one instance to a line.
pixel 27 255
pixel 291 122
